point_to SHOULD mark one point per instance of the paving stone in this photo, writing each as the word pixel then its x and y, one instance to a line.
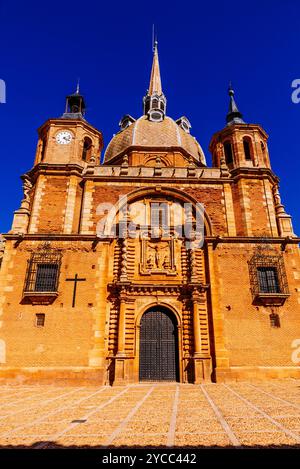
pixel 231 419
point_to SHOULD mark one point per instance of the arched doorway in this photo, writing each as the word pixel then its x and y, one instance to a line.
pixel 158 346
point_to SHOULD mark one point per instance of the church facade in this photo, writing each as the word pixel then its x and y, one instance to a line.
pixel 147 264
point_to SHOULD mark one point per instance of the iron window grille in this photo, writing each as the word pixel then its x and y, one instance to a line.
pixel 268 280
pixel 43 270
pixel 268 275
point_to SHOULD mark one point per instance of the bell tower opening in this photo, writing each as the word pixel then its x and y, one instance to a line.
pixel 158 346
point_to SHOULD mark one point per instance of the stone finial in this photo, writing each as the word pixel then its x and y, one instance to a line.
pixel 124 166
pixel 279 207
pixel 27 187
pixel 124 276
pixel 157 168
pixel 224 168
pixel 191 168
pixel 125 161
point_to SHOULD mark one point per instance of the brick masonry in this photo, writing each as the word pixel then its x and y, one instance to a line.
pixel 222 333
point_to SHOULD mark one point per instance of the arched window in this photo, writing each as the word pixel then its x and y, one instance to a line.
pixel 247 148
pixel 87 149
pixel 228 152
pixel 155 103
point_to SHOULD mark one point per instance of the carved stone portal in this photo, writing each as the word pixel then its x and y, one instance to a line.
pixel 157 257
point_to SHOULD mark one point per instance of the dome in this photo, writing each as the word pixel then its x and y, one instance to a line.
pixel 148 134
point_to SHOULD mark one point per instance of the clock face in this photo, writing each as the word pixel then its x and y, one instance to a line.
pixel 64 137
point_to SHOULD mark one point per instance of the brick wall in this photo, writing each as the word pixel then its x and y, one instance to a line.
pixel 69 333
pixel 248 335
pixel 52 205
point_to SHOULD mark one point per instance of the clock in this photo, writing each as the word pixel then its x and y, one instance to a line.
pixel 64 137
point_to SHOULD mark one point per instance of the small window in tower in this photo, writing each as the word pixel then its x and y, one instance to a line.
pixel 274 320
pixel 228 152
pixel 43 149
pixel 40 320
pixel 155 103
pixel 268 280
pixel 247 148
pixel 156 115
pixel 87 149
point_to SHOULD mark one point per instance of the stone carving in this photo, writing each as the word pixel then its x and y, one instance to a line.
pixel 279 207
pixel 157 257
pixel 150 263
pixel 124 166
pixel 166 263
pixel 124 276
pixel 27 186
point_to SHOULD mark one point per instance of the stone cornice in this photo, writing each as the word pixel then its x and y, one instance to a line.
pixel 95 239
pixel 216 240
pixel 147 174
pixel 253 173
pixel 56 169
pixel 60 121
pixel 154 288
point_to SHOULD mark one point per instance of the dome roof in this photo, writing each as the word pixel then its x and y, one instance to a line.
pixel 148 134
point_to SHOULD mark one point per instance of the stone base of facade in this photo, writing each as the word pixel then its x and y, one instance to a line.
pixel 56 376
pixel 264 373
pixel 86 376
pixel 203 370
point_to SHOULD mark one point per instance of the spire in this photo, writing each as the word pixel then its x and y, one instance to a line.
pixel 234 116
pixel 155 80
pixel 155 101
pixel 78 86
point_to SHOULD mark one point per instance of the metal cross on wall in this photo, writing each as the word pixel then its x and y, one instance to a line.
pixel 75 280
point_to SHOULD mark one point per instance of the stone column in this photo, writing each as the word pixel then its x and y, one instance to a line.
pixel 202 358
pixel 86 222
pixel 121 326
pixel 196 325
pixel 120 360
pixel 218 317
pixel 70 205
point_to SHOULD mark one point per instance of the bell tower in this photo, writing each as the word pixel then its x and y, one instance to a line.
pixel 243 145
pixel 70 138
pixel 240 150
pixel 66 147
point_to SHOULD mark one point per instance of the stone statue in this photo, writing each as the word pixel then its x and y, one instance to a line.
pixel 157 257
pixel 27 186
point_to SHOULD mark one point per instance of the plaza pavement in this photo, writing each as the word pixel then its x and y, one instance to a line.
pixel 246 414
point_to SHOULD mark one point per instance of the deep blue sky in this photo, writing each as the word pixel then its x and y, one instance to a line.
pixel 45 46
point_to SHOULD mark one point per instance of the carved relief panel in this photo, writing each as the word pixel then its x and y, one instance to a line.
pixel 157 257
